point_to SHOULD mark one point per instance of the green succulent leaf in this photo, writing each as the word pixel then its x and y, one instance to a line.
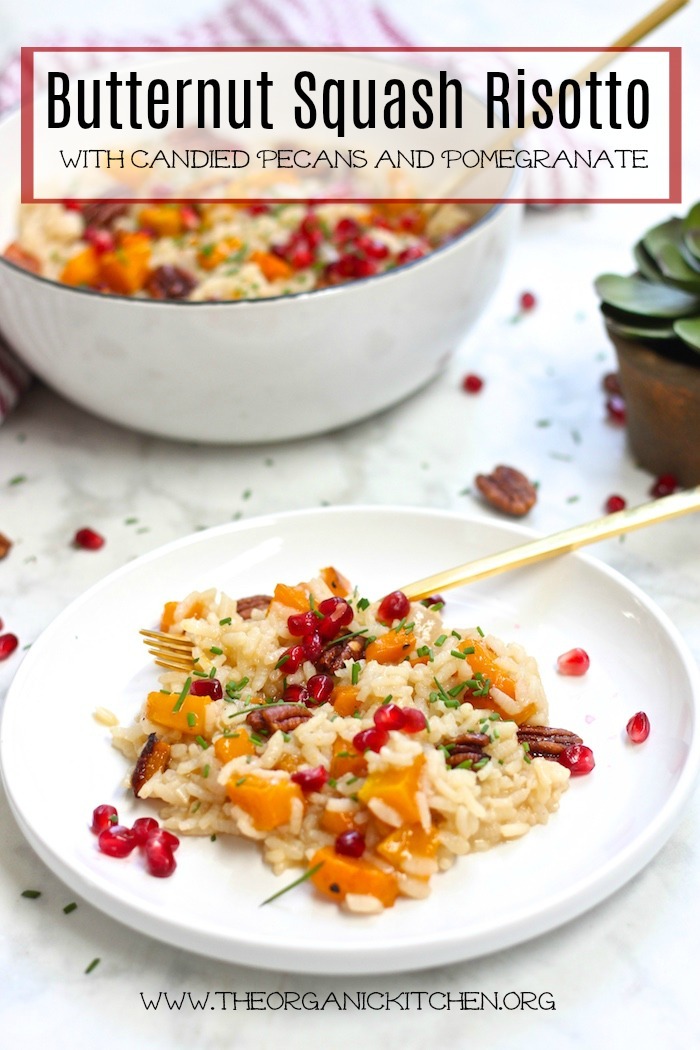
pixel 691 231
pixel 636 295
pixel 665 246
pixel 689 332
pixel 634 327
pixel 645 264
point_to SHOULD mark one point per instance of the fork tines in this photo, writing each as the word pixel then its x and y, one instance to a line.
pixel 170 652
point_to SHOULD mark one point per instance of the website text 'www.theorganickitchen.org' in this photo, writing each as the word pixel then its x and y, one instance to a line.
pixel 356 1001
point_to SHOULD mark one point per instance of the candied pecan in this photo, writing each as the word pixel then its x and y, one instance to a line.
pixel 467 748
pixel 169 282
pixel 278 716
pixel 154 758
pixel 546 741
pixel 507 490
pixel 5 546
pixel 102 213
pixel 334 656
pixel 245 606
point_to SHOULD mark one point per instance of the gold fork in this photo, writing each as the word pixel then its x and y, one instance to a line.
pixel 176 653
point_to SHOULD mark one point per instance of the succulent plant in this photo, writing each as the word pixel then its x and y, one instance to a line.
pixel 660 303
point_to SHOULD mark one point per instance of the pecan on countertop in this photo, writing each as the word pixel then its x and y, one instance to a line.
pixel 245 606
pixel 154 758
pixel 5 546
pixel 278 716
pixel 334 656
pixel 467 748
pixel 508 490
pixel 546 741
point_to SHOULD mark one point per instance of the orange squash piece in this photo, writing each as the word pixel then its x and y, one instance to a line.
pixel 233 746
pixel 267 802
pixel 16 254
pixel 392 647
pixel 335 581
pixel 82 269
pixel 272 267
pixel 346 760
pixel 396 788
pixel 167 618
pixel 336 821
pixel 291 597
pixel 483 661
pixel 125 269
pixel 406 842
pixel 339 876
pixel 212 255
pixel 164 219
pixel 190 718
pixel 344 700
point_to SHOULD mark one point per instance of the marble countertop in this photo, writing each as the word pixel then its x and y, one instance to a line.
pixel 624 974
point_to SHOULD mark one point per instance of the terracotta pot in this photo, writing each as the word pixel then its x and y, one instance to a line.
pixel 662 396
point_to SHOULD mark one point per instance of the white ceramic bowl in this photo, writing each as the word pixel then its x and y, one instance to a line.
pixel 260 370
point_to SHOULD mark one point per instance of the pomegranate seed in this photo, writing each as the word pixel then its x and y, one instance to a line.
pixel 311 229
pixel 321 687
pixel 346 230
pixel 72 206
pixel 302 257
pixel 365 267
pixel 296 694
pixel 414 720
pixel 434 599
pixel 101 240
pixel 408 222
pixel 410 254
pixel 258 209
pixel 8 644
pixel 372 739
pixel 350 844
pixel 611 384
pixel 310 779
pixel 142 828
pixel 615 503
pixel 207 687
pixel 88 539
pixel 337 613
pixel 371 248
pixel 472 383
pixel 159 857
pixel 389 716
pixel 574 663
pixel 616 409
pixel 116 841
pixel 103 817
pixel 638 727
pixel 578 759
pixel 312 645
pixel 664 485
pixel 292 659
pixel 165 837
pixel 189 217
pixel 300 624
pixel 394 606
pixel 527 301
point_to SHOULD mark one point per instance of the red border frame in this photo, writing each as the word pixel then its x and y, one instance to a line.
pixel 674 124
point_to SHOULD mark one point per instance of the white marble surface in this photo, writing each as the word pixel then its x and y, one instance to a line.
pixel 623 975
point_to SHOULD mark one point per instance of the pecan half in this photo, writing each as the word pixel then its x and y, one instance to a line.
pixel 245 606
pixel 507 490
pixel 170 282
pixel 154 758
pixel 102 213
pixel 546 741
pixel 467 748
pixel 278 716
pixel 334 656
pixel 5 546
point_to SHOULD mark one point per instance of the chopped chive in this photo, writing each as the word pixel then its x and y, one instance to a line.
pixel 212 838
pixel 181 698
pixel 196 806
pixel 332 782
pixel 216 651
pixel 200 674
pixel 257 740
pixel 286 737
pixel 282 660
pixel 93 964
pixel 351 780
pixel 387 700
pixel 457 635
pixel 355 673
pixel 480 632
pixel 31 894
pixel 202 742
pixel 456 652
pixel 345 637
pixel 356 714
pixel 469 650
pixel 425 650
pixel 168 692
pixel 344 754
pixel 225 621
pixel 435 606
pixel 69 908
pixel 191 719
pixel 525 746
pixel 457 689
pixel 242 780
pixel 363 604
pixel 205 772
pixel 302 878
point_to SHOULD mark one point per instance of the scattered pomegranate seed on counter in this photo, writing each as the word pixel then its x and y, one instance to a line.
pixel 574 663
pixel 142 827
pixel 159 857
pixel 88 540
pixel 8 644
pixel 472 383
pixel 578 759
pixel 350 844
pixel 665 485
pixel 102 818
pixel 615 503
pixel 527 302
pixel 638 727
pixel 611 384
pixel 117 841
pixel 616 410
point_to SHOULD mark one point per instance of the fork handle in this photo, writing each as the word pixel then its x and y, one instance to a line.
pixel 559 543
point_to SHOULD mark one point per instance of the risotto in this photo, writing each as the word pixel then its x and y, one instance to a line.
pixel 366 743
pixel 219 251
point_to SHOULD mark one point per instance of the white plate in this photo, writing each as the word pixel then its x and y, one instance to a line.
pixel 610 823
